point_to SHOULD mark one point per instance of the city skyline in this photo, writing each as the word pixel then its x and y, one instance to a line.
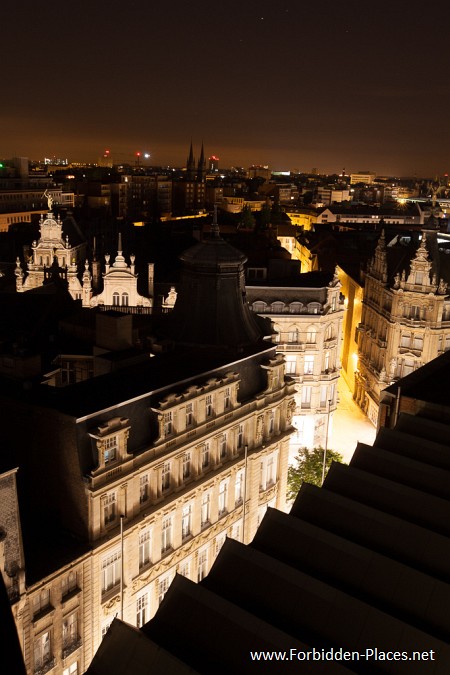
pixel 289 86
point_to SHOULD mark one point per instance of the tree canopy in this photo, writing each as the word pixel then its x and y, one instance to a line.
pixel 307 468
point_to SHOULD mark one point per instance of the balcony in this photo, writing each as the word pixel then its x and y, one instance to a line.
pixel 70 646
pixel 45 666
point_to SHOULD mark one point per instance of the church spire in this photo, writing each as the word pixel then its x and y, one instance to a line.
pixel 190 164
pixel 201 168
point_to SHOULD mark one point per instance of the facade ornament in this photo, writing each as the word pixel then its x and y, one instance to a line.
pixel 442 289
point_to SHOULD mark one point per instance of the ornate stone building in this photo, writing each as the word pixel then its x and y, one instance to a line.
pixel 405 319
pixel 306 315
pixel 119 285
pixel 151 468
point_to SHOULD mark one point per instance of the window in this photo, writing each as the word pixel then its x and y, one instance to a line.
pixel 309 365
pixel 145 541
pixel 268 473
pixel 208 404
pixel 418 342
pixel 295 307
pixel 110 571
pixel 42 651
pixel 240 437
pixel 116 298
pixel 323 395
pixel 165 476
pixel 202 565
pixel 306 397
pixel 271 421
pixel 293 336
pixel 166 534
pixel 110 508
pixel 189 414
pixel 125 299
pixel 163 587
pixel 186 465
pixel 227 399
pixel 405 340
pixel 311 335
pixel 69 583
pixel 223 446
pixel 326 361
pixel 186 521
pixel 206 509
pixel 239 487
pixel 142 610
pixel 72 669
pixel 168 426
pixel 185 569
pixel 313 308
pixel 110 450
pixel 144 488
pixel 205 456
pixel 277 307
pixel 223 497
pixel 41 601
pixel 70 630
pixel 415 312
pixel 291 365
pixel 236 530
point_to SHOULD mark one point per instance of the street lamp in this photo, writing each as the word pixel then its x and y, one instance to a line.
pixel 326 442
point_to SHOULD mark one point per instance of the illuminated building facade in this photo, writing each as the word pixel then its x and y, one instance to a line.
pixel 307 321
pixel 405 320
pixel 160 463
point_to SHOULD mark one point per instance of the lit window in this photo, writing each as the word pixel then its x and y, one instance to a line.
pixel 41 601
pixel 163 587
pixel 42 652
pixel 166 534
pixel 69 583
pixel 238 487
pixel 142 610
pixel 223 497
pixel 202 565
pixel 70 630
pixel 309 365
pixel 206 509
pixel 110 571
pixel 186 521
pixel 72 669
pixel 145 541
pixel 110 449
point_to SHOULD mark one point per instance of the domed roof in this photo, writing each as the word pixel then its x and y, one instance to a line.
pixel 213 252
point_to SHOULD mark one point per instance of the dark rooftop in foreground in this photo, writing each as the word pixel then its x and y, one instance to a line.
pixel 359 564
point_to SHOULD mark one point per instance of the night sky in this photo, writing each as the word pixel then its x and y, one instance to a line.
pixel 292 84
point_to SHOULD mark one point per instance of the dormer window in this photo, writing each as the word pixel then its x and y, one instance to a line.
pixel 110 450
pixel 208 406
pixel 168 424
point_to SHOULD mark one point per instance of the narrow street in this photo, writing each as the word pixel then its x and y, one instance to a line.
pixel 350 425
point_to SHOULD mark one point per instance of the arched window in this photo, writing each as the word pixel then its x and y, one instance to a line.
pixel 125 299
pixel 116 297
pixel 278 307
pixel 259 306
pixel 295 307
pixel 311 334
pixel 314 307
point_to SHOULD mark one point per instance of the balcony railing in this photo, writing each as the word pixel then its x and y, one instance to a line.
pixel 71 646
